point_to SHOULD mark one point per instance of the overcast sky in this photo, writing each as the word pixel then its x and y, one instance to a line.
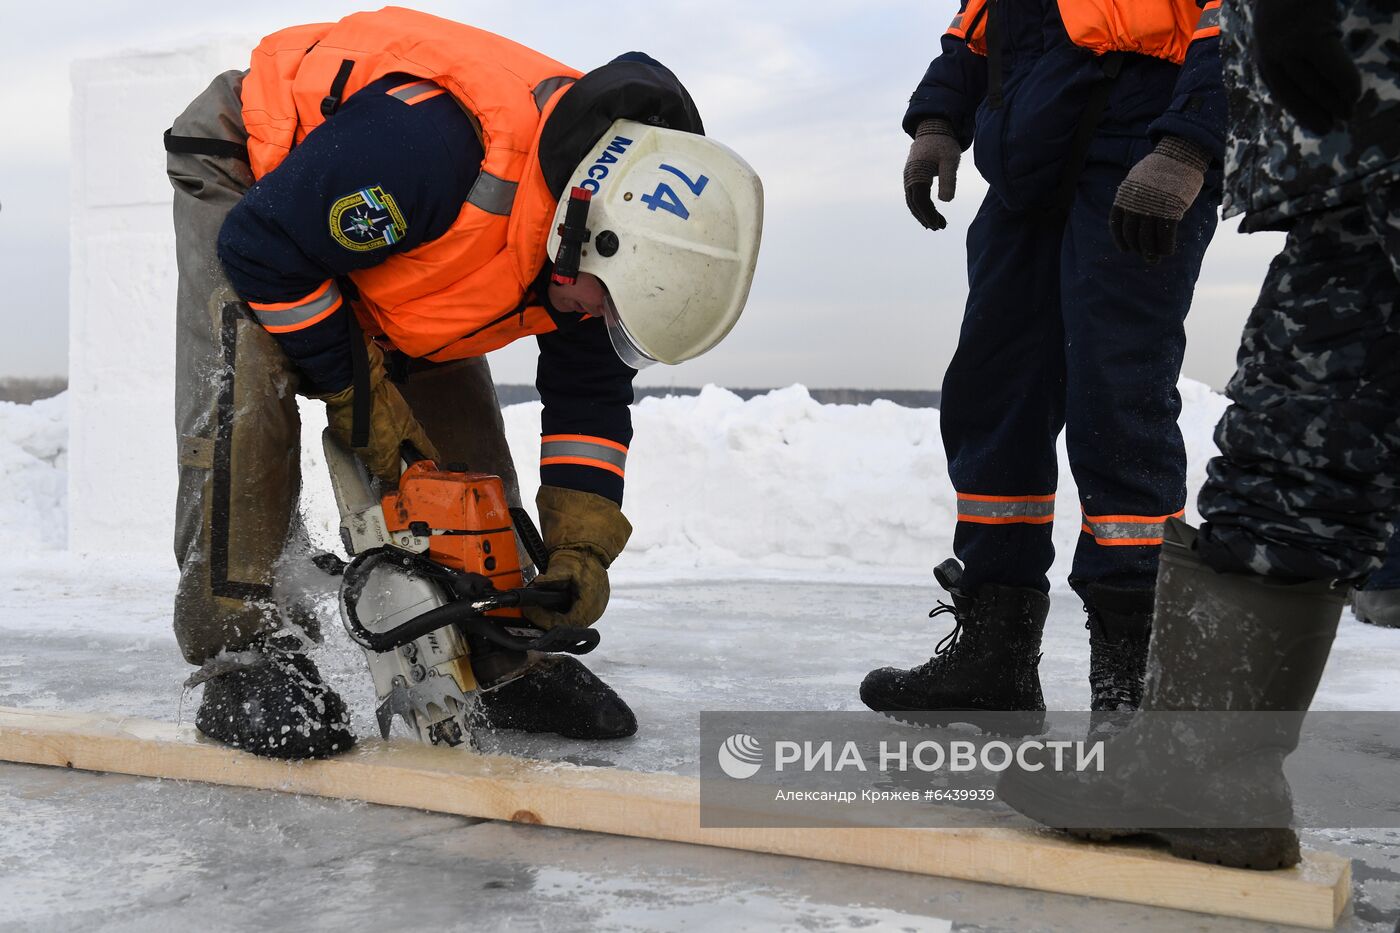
pixel 850 290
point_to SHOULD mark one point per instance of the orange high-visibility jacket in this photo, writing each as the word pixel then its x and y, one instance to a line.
pixel 1159 28
pixel 468 291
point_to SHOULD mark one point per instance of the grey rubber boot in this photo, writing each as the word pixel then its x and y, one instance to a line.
pixel 1377 607
pixel 1220 642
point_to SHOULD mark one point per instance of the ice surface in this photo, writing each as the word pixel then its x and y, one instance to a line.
pixel 120 854
pixel 77 851
pixel 782 551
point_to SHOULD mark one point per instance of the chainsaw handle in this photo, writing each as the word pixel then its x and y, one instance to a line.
pixel 466 611
pixel 551 600
pixel 528 597
pixel 566 639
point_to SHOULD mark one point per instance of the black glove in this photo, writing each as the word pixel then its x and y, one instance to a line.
pixel 1155 196
pixel 1298 44
pixel 935 152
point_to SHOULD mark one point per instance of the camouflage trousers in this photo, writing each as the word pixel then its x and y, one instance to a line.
pixel 1307 486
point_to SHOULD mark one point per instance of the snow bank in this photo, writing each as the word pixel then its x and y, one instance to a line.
pixel 714 483
pixel 34 473
pixel 782 483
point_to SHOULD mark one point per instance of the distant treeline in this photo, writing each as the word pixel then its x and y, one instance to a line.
pixel 25 391
pixel 908 398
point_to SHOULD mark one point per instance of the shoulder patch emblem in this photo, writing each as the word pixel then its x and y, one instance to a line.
pixel 366 220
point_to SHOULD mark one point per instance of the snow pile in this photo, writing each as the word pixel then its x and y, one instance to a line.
pixel 34 472
pixel 716 484
pixel 782 482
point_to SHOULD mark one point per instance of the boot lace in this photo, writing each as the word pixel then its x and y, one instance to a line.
pixel 950 641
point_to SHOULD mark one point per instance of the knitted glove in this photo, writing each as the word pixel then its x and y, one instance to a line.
pixel 1155 196
pixel 935 152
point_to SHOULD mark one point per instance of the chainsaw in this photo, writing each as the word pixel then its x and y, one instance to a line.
pixel 434 588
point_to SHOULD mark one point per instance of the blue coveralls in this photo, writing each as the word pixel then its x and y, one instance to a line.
pixel 1061 330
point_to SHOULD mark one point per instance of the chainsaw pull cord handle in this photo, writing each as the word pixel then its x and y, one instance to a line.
pixel 573 233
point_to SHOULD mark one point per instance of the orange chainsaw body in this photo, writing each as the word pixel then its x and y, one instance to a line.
pixel 466 519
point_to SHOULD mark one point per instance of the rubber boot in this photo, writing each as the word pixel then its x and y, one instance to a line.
pixel 1120 628
pixel 1221 642
pixel 989 662
pixel 556 694
pixel 1377 607
pixel 270 700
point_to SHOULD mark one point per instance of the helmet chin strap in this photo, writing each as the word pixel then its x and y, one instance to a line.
pixel 573 233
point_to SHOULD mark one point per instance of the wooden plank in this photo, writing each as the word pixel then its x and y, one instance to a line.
pixel 666 807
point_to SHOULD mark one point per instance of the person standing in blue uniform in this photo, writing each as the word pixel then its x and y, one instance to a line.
pixel 1099 128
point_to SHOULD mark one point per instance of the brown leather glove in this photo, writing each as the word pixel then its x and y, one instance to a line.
pixel 584 533
pixel 1155 196
pixel 935 152
pixel 390 422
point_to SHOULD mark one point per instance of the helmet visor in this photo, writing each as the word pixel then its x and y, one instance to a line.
pixel 626 347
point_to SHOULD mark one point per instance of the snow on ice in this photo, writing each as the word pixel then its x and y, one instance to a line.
pixel 34 472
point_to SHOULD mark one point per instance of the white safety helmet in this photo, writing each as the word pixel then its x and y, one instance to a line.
pixel 674 222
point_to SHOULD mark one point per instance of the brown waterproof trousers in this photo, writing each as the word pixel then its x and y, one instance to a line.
pixel 237 531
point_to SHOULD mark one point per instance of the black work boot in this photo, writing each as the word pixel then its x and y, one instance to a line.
pixel 556 694
pixel 1222 642
pixel 988 662
pixel 270 700
pixel 1120 628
